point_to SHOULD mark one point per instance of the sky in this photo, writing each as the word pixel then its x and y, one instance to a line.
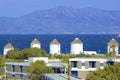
pixel 15 8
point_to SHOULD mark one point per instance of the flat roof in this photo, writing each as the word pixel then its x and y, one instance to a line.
pixel 93 59
pixel 59 77
pixel 18 63
pixel 51 64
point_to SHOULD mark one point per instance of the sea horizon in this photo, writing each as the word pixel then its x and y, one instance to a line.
pixel 91 42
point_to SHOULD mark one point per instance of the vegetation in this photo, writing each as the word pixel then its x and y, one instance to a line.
pixel 108 73
pixel 24 54
pixel 69 67
pixel 64 57
pixel 2 61
pixel 37 69
pixel 112 54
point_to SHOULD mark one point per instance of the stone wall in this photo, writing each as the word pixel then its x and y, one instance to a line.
pixel 8 76
pixel 24 69
pixel 105 64
pixel 97 64
pixel 82 74
pixel 79 64
pixel 9 67
pixel 17 68
pixel 2 70
pixel 16 77
pixel 86 64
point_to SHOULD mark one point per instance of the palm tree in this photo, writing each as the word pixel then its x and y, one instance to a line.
pixel 69 67
pixel 113 55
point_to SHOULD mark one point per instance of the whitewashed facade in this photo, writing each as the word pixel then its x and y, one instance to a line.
pixel 113 43
pixel 18 70
pixel 35 44
pixel 55 47
pixel 76 46
pixel 33 59
pixel 90 52
pixel 83 66
pixel 7 48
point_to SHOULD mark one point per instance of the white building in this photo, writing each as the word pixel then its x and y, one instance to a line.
pixel 18 70
pixel 76 46
pixel 33 59
pixel 90 52
pixel 55 47
pixel 113 43
pixel 35 44
pixel 7 48
pixel 59 77
pixel 83 66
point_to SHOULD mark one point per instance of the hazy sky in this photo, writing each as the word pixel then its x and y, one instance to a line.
pixel 13 8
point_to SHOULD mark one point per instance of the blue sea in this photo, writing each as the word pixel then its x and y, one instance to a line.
pixel 91 42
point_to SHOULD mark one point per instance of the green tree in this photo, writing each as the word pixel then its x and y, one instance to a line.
pixel 108 73
pixel 33 52
pixel 37 69
pixel 112 54
pixel 13 54
pixel 69 67
pixel 113 51
pixel 24 54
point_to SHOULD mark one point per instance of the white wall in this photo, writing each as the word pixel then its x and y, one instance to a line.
pixel 55 49
pixel 90 52
pixel 6 50
pixel 33 59
pixel 109 49
pixel 35 46
pixel 76 48
pixel 83 60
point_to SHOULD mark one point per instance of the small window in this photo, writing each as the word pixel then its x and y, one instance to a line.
pixel 21 75
pixel 13 67
pixel 83 64
pixel 110 62
pixel 74 73
pixel 74 63
pixel 92 64
pixel 101 64
pixel 21 68
pixel 13 75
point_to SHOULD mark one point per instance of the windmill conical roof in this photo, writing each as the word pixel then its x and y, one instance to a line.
pixel 76 41
pixel 55 42
pixel 113 42
pixel 35 41
pixel 9 45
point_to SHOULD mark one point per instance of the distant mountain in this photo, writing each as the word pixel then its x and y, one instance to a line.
pixel 63 20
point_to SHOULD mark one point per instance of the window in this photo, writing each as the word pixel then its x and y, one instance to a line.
pixel 21 68
pixel 13 75
pixel 13 68
pixel 74 63
pixel 92 64
pixel 110 62
pixel 101 64
pixel 83 64
pixel 74 73
pixel 21 75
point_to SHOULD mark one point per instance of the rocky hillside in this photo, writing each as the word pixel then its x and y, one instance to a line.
pixel 63 20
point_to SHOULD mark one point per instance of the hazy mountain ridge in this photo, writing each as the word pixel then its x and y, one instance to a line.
pixel 63 20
